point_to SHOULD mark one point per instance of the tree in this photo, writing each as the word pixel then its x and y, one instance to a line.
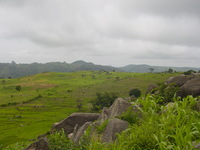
pixel 136 92
pixel 170 70
pixel 151 69
pixel 189 72
pixel 3 83
pixel 104 100
pixel 18 88
pixel 79 104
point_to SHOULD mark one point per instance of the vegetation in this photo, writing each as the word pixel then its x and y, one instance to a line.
pixel 18 88
pixel 103 100
pixel 189 72
pixel 160 128
pixel 167 92
pixel 48 97
pixel 135 92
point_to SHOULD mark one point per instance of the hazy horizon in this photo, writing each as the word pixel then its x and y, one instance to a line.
pixel 98 64
pixel 115 33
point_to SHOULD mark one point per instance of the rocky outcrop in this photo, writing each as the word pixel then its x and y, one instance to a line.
pixel 40 144
pixel 113 127
pixel 118 107
pixel 78 133
pixel 77 123
pixel 191 87
pixel 70 122
pixel 178 80
pixel 150 89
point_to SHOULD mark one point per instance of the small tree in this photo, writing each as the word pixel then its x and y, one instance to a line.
pixel 18 88
pixel 151 69
pixel 3 83
pixel 79 104
pixel 136 92
pixel 170 70
pixel 104 100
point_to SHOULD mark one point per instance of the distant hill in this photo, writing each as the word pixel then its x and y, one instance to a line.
pixel 14 70
pixel 145 68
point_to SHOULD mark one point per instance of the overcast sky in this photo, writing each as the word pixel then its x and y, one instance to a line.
pixel 107 32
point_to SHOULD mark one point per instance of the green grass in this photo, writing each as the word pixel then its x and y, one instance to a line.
pixel 159 128
pixel 48 97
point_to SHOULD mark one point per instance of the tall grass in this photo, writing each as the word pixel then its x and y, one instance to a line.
pixel 160 127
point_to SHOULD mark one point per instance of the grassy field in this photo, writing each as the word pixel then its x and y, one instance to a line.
pixel 47 98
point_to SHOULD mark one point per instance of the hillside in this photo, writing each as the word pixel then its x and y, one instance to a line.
pixel 13 70
pixel 145 68
pixel 47 98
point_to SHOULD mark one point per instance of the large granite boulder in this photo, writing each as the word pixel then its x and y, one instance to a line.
pixel 191 87
pixel 78 132
pixel 118 107
pixel 113 127
pixel 150 89
pixel 70 122
pixel 178 80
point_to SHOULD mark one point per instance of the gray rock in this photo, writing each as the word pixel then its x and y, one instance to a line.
pixel 40 144
pixel 113 127
pixel 69 123
pixel 178 80
pixel 77 134
pixel 150 89
pixel 118 107
pixel 191 87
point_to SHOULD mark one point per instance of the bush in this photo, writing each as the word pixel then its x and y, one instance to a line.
pixel 130 116
pixel 58 141
pixel 136 92
pixel 189 72
pixel 167 91
pixel 18 88
pixel 103 100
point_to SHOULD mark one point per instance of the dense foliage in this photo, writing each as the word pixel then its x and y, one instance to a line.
pixel 167 91
pixel 135 92
pixel 103 100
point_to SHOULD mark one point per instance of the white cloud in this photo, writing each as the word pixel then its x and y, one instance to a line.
pixel 102 31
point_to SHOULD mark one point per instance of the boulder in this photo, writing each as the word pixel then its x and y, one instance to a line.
pixel 178 80
pixel 113 127
pixel 40 144
pixel 150 89
pixel 118 107
pixel 78 133
pixel 191 87
pixel 69 123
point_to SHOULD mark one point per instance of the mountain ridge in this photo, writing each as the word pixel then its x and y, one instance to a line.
pixel 13 70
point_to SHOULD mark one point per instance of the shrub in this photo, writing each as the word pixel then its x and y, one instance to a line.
pixel 103 100
pixel 189 72
pixel 130 116
pixel 102 127
pixel 18 88
pixel 136 92
pixel 58 141
pixel 167 91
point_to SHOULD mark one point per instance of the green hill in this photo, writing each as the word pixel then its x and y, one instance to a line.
pixel 146 68
pixel 13 70
pixel 49 97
